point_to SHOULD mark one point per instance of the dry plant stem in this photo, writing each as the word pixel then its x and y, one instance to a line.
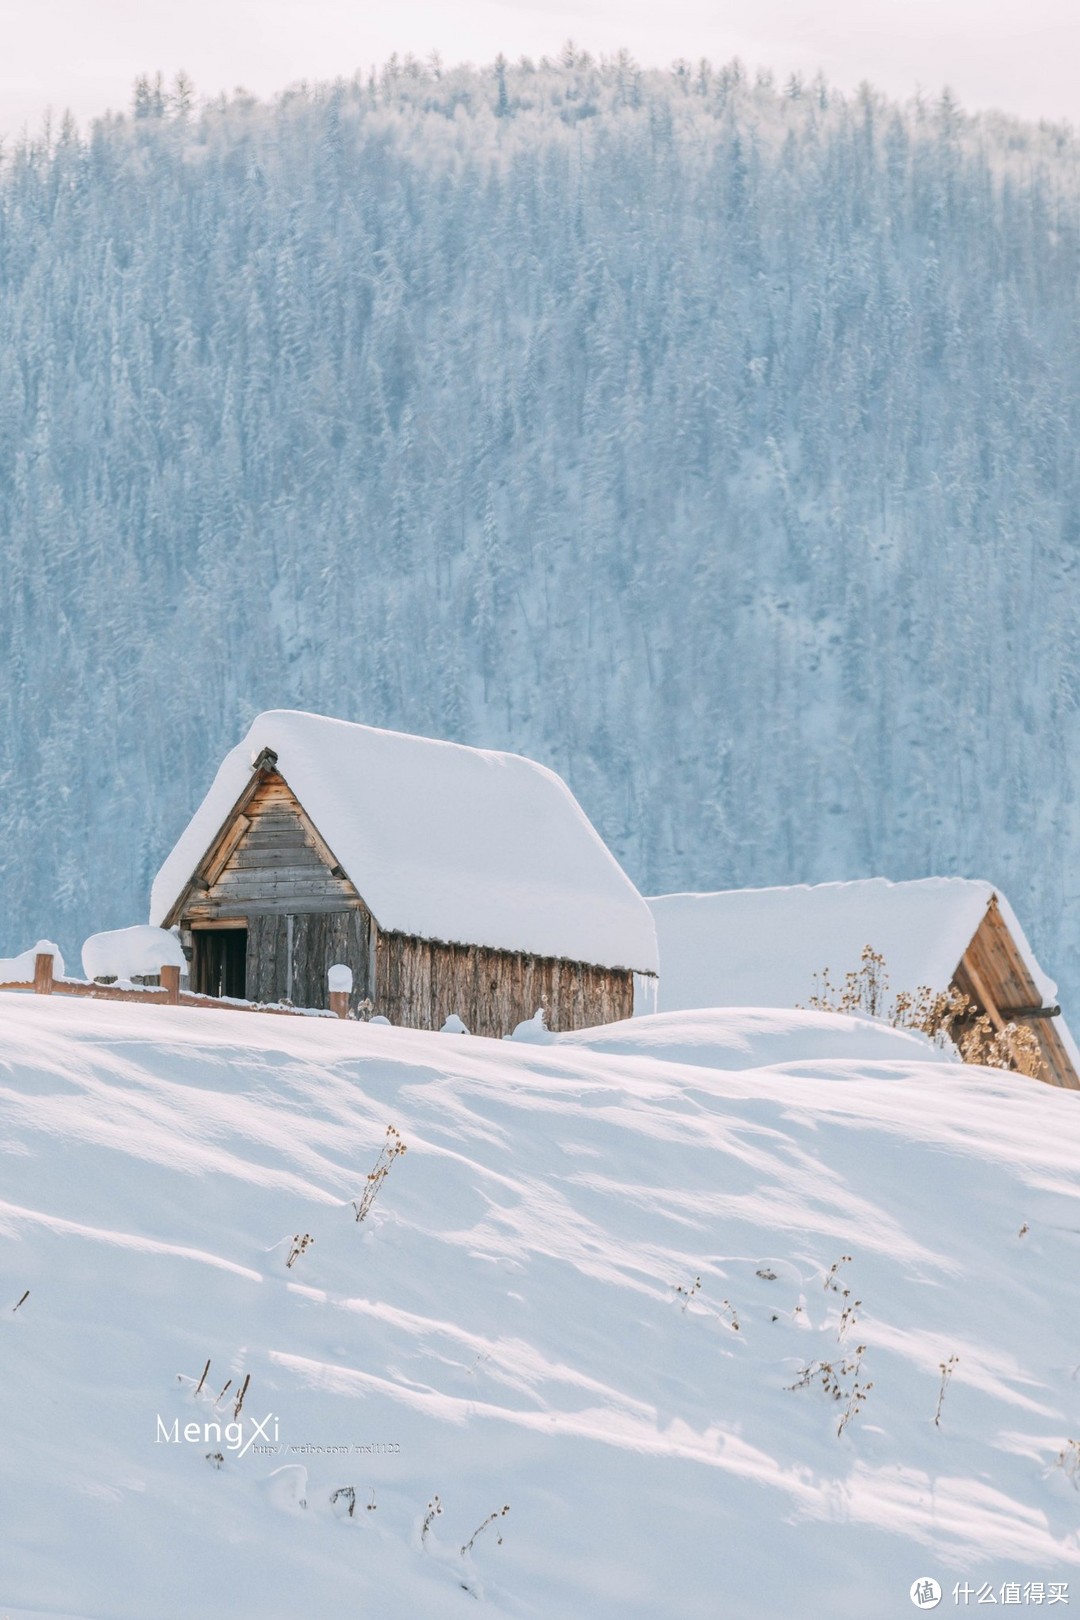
pixel 946 1370
pixel 347 1494
pixel 240 1397
pixel 946 1016
pixel 434 1508
pixel 499 1513
pixel 202 1380
pixel 299 1245
pixel 831 1281
pixel 392 1149
pixel 857 1393
pixel 840 1381
pixel 687 1294
pixel 22 1301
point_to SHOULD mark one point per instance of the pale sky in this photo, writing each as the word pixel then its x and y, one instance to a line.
pixel 1021 55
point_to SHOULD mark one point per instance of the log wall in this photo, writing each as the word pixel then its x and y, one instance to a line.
pixel 419 983
pixel 317 940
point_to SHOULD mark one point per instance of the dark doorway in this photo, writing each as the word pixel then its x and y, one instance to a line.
pixel 219 962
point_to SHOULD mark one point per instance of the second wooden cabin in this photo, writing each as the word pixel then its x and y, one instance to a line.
pixel 448 879
pixel 769 948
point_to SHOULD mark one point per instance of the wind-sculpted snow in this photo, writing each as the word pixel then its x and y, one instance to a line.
pixel 584 1293
pixel 714 446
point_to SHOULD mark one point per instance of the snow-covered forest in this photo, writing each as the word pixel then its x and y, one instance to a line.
pixel 714 441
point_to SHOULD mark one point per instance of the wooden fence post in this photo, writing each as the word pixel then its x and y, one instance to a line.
pixel 43 973
pixel 170 982
pixel 339 982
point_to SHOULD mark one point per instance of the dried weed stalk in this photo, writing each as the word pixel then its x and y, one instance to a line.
pixel 946 1370
pixel 948 1017
pixel 499 1513
pixel 392 1149
pixel 299 1246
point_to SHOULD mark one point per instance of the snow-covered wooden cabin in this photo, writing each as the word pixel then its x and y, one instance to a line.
pixel 766 948
pixel 449 879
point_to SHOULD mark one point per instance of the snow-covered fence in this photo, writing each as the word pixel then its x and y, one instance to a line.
pixel 45 982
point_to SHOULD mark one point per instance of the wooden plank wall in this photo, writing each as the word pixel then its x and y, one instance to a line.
pixel 318 939
pixel 276 865
pixel 420 983
pixel 994 971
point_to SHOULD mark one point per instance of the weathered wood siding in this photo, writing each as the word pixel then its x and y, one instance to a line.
pixel 270 870
pixel 276 972
pixel 993 974
pixel 268 860
pixel 419 983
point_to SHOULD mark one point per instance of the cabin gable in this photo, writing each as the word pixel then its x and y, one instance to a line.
pixel 269 909
pixel 993 974
pixel 267 858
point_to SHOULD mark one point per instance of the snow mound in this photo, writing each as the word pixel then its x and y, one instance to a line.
pixel 749 1037
pixel 124 953
pixel 596 1289
pixel 20 969
pixel 533 1029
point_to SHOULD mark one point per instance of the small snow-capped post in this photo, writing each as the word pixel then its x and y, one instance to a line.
pixel 534 1029
pixel 43 973
pixel 170 981
pixel 340 981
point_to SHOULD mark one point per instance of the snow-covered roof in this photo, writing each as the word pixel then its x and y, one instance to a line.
pixel 441 841
pixel 762 947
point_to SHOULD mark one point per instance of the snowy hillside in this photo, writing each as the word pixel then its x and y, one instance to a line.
pixel 505 1327
pixel 712 443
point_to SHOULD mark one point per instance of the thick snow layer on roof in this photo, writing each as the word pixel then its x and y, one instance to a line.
pixel 763 947
pixel 441 841
pixel 123 952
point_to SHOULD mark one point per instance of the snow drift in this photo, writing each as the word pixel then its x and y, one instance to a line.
pixel 598 1289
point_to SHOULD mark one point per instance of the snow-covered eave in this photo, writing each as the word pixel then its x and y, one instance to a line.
pixel 510 950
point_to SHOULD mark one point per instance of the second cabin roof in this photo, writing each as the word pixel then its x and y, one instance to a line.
pixel 443 842
pixel 763 947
